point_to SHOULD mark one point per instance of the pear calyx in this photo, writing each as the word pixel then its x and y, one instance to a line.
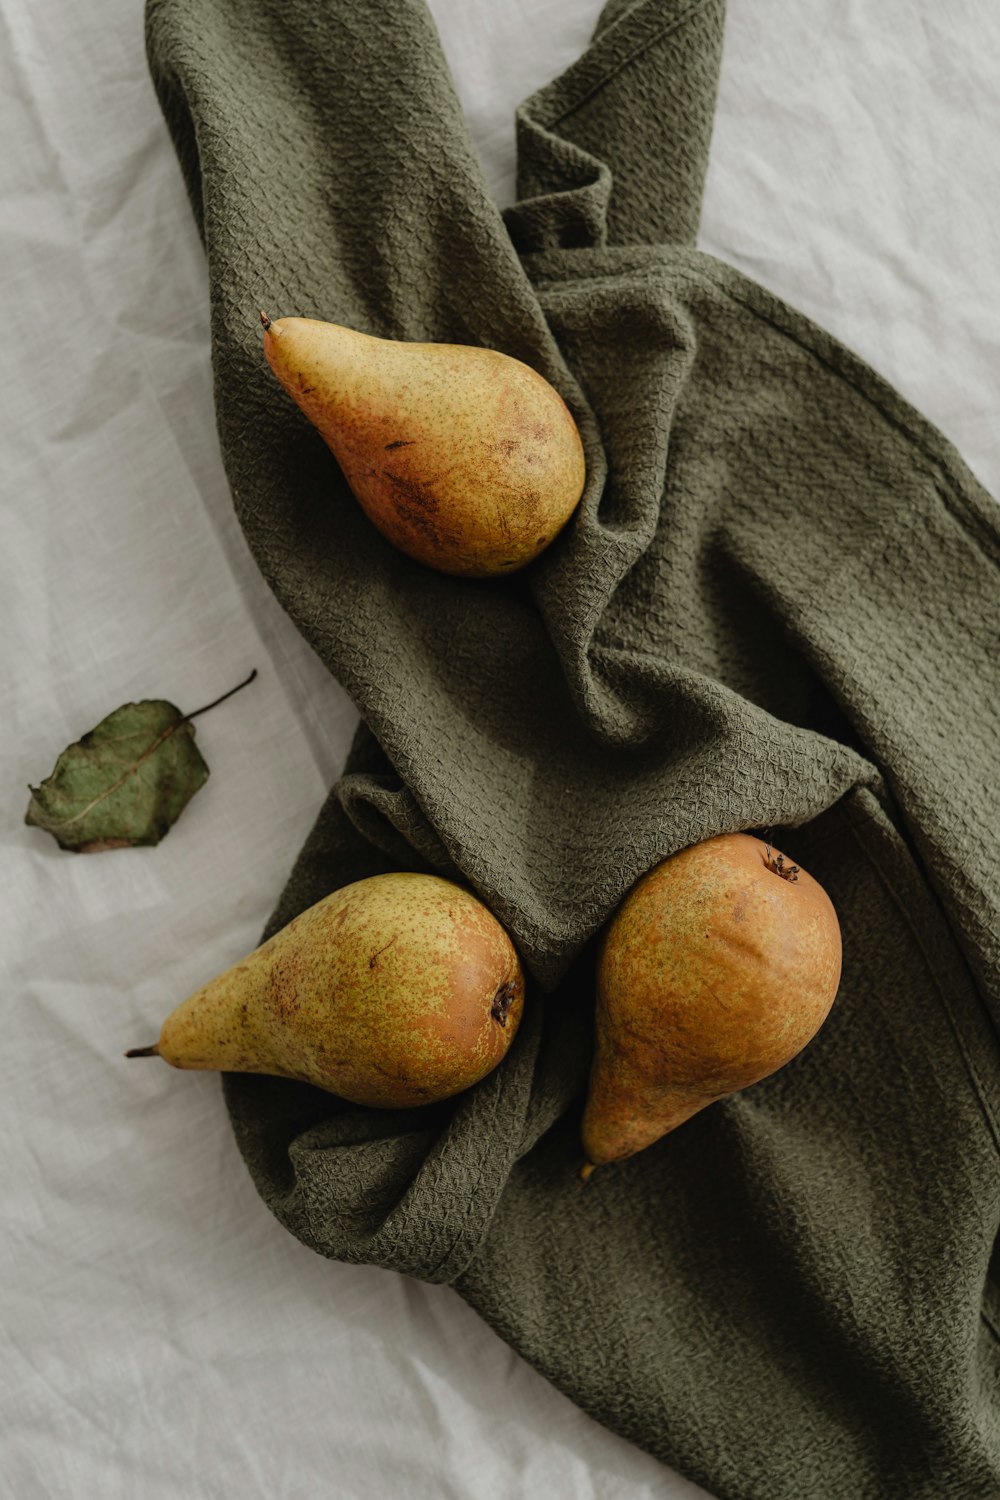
pixel 502 1001
pixel 776 862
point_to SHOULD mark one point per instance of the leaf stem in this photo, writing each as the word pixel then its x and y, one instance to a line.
pixel 186 718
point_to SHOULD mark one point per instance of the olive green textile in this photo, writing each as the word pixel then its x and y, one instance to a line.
pixel 778 607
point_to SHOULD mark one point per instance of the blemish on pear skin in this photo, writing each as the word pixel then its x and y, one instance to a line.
pixel 416 509
pixel 287 973
pixel 373 962
pixel 412 491
pixel 399 443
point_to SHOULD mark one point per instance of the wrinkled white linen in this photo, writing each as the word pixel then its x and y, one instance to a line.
pixel 161 1335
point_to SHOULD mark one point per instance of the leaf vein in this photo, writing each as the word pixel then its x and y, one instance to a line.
pixel 130 771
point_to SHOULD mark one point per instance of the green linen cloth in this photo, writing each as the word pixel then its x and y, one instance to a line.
pixel 777 607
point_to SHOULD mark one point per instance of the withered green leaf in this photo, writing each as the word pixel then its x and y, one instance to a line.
pixel 126 782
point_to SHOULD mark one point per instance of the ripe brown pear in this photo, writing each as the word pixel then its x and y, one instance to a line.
pixel 394 991
pixel 464 458
pixel 718 967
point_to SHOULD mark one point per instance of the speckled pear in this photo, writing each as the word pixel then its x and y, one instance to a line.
pixel 463 457
pixel 716 970
pixel 394 991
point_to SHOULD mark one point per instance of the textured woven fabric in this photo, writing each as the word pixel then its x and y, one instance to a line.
pixel 777 607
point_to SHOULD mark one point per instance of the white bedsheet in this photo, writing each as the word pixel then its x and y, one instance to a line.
pixel 162 1336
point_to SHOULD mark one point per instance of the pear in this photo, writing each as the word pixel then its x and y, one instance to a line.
pixel 394 991
pixel 463 457
pixel 716 970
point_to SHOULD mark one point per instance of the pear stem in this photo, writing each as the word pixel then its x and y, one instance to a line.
pixel 586 1170
pixel 265 320
pixel 153 1051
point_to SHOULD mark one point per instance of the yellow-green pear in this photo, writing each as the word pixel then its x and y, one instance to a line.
pixel 716 970
pixel 463 457
pixel 394 991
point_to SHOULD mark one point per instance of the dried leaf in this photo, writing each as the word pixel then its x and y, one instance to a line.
pixel 126 782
